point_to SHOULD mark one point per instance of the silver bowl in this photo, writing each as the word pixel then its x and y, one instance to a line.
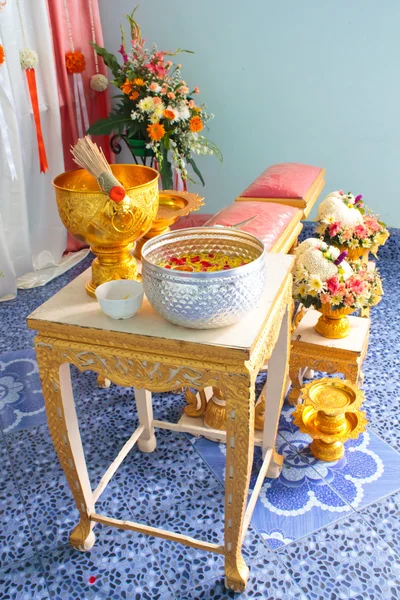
pixel 204 300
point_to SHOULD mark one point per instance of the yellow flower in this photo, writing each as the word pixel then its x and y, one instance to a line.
pixel 315 284
pixel 139 81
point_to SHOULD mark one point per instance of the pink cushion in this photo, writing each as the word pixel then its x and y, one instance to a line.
pixel 271 221
pixel 286 180
pixel 196 220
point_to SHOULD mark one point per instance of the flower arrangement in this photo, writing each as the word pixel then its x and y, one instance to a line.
pixel 323 276
pixel 344 221
pixel 157 106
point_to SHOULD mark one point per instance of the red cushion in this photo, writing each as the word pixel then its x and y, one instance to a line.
pixel 196 220
pixel 286 180
pixel 269 224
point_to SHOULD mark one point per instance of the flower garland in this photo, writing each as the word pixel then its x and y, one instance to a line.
pixel 368 233
pixel 323 276
pixel 98 82
pixel 29 60
pixel 75 64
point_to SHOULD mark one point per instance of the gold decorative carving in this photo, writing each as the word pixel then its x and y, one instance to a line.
pixel 333 323
pixel 260 413
pixel 109 228
pixel 326 359
pixel 196 403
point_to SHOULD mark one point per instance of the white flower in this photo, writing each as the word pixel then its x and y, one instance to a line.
pixel 183 111
pixel 309 243
pixel 98 82
pixel 315 284
pixel 333 206
pixel 28 58
pixel 300 290
pixel 320 228
pixel 157 113
pixel 301 273
pixel 336 299
pixel 134 115
pixel 329 219
pixel 146 104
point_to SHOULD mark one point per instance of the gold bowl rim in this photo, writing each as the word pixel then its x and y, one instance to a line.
pixel 312 394
pixel 134 187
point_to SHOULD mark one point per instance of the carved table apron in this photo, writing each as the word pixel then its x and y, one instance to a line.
pixel 72 330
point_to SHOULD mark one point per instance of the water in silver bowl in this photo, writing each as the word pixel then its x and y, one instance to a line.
pixel 204 300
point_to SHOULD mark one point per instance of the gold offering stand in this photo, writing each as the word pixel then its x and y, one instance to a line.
pixel 109 228
pixel 172 206
pixel 330 415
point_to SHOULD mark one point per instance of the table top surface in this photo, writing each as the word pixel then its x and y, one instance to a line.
pixel 354 341
pixel 72 306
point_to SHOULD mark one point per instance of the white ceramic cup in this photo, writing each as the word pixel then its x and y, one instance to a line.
pixel 120 299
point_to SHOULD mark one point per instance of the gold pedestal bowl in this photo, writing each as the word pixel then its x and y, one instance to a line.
pixel 109 228
pixel 333 323
pixel 172 206
pixel 330 415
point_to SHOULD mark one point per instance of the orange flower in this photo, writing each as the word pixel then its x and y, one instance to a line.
pixel 134 96
pixel 195 124
pixel 2 55
pixel 127 87
pixel 169 114
pixel 139 81
pixel 75 62
pixel 156 131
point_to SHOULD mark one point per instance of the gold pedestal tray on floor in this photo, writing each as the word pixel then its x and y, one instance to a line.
pixel 172 206
pixel 330 415
pixel 110 228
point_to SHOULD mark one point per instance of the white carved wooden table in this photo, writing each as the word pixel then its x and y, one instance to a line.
pixel 312 351
pixel 152 355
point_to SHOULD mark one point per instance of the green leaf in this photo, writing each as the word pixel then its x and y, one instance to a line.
pixel 196 170
pixel 166 170
pixel 106 126
pixel 109 59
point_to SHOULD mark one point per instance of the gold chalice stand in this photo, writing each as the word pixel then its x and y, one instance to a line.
pixel 330 415
pixel 110 228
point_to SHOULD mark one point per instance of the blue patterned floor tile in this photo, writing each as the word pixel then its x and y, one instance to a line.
pixel 186 567
pixel 14 331
pixel 368 471
pixel 119 566
pixel 21 400
pixel 6 471
pixel 52 513
pixel 384 518
pixel 268 580
pixel 16 541
pixel 157 486
pixel 32 455
pixel 347 560
pixel 23 581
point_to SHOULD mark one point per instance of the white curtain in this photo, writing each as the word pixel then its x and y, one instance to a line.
pixel 32 237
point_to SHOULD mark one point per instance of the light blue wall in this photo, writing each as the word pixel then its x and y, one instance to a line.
pixel 288 80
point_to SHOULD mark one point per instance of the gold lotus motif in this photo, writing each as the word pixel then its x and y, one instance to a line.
pixel 109 228
pixel 333 322
pixel 330 415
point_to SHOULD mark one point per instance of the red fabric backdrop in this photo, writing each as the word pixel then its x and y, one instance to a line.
pixel 98 103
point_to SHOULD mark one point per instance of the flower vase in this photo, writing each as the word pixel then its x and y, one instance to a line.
pixel 333 323
pixel 138 148
pixel 355 253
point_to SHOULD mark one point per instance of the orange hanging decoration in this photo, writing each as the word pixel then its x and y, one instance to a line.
pixel 29 60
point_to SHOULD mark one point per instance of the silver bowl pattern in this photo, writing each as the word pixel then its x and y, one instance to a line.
pixel 204 300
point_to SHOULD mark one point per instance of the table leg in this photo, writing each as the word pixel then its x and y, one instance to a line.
pixel 296 376
pixel 147 441
pixel 238 391
pixel 64 430
pixel 275 391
